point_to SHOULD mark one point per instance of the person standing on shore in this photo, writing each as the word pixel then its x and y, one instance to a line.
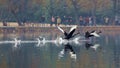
pixel 81 21
pixel 87 21
pixel 52 20
pixel 4 23
pixel 106 20
pixel 43 19
pixel 90 21
pixel 58 20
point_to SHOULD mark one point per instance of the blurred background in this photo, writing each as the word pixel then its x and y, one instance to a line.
pixel 82 12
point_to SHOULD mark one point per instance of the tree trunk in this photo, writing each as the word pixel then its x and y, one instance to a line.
pixel 94 11
pixel 74 2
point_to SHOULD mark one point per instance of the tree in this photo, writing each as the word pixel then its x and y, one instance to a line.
pixel 116 10
pixel 74 2
pixel 18 9
pixel 32 10
pixel 94 11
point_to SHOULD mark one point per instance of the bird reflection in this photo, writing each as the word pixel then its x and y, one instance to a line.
pixel 40 41
pixel 68 48
pixel 90 45
pixel 17 42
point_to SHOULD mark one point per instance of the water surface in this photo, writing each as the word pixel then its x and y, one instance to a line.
pixel 28 55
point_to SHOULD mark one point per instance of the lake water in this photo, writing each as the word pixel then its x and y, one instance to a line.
pixel 28 55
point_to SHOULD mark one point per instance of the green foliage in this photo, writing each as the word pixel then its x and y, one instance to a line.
pixel 32 10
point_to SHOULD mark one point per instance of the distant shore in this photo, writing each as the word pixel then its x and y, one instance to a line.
pixel 35 29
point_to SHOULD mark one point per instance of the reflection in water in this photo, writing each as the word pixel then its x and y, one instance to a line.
pixel 40 41
pixel 117 52
pixel 89 45
pixel 17 42
pixel 68 48
pixel 27 55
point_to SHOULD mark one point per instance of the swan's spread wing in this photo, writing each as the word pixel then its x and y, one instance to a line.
pixel 95 34
pixel 62 31
pixel 72 30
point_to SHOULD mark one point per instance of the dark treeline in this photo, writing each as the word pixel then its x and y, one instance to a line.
pixel 35 10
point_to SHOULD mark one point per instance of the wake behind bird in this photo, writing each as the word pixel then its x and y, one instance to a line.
pixel 59 41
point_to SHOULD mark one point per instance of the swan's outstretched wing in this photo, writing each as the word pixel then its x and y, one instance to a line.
pixel 62 31
pixel 95 34
pixel 72 30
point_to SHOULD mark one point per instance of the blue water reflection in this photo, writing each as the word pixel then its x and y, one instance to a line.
pixel 28 55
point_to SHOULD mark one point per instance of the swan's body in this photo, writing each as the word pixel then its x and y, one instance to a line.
pixel 92 34
pixel 70 34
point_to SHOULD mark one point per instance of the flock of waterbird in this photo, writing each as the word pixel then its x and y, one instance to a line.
pixel 69 37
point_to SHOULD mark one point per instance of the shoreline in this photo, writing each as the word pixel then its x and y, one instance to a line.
pixel 82 29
